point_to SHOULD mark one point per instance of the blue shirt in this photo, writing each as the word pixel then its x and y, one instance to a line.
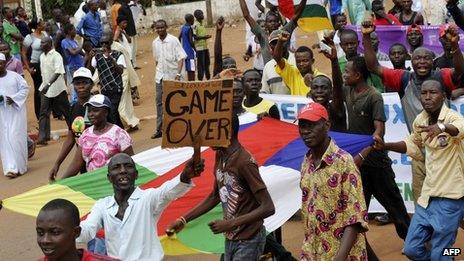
pixel 90 25
pixel 73 61
pixel 185 34
pixel 335 7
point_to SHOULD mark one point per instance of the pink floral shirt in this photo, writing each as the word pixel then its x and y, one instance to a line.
pixel 97 150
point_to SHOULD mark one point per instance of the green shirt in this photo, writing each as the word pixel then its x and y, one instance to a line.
pixel 9 29
pixel 200 31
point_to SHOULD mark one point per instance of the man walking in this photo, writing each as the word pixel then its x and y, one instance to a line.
pixel 169 59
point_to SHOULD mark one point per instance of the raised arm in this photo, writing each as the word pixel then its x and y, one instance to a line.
pixel 299 11
pixel 452 34
pixel 337 78
pixel 279 49
pixel 218 47
pixel 369 54
pixel 246 14
pixel 260 7
pixel 455 11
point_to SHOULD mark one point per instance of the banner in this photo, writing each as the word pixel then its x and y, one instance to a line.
pixel 395 130
pixel 197 109
pixel 389 34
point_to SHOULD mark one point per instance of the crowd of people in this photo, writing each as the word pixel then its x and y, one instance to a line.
pixel 92 84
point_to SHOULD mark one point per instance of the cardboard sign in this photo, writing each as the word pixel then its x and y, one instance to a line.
pixel 202 109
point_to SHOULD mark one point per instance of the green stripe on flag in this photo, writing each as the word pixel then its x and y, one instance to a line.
pixel 314 10
pixel 96 185
pixel 198 235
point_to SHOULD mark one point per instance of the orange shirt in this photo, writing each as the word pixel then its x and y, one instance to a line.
pixel 114 15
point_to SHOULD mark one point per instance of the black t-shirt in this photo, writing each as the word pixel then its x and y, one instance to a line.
pixel 443 62
pixel 363 109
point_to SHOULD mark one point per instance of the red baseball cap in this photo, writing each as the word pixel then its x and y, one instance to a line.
pixel 414 27
pixel 313 112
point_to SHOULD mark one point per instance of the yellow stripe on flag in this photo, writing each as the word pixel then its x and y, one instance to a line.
pixel 30 203
pixel 314 24
pixel 173 247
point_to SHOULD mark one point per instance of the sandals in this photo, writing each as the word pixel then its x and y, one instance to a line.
pixel 12 175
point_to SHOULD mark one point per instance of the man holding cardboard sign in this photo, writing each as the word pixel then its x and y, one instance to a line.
pixel 244 197
pixel 197 109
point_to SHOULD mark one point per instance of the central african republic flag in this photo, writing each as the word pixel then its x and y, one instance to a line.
pixel 275 145
pixel 314 17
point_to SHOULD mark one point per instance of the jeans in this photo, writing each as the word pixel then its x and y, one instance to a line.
pixel 380 183
pixel 439 223
pixel 60 104
pixel 97 246
pixel 203 64
pixel 159 106
pixel 245 250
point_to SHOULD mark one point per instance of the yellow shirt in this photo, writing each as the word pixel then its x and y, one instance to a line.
pixel 293 79
pixel 443 163
pixel 262 107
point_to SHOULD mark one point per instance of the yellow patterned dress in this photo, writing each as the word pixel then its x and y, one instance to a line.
pixel 332 198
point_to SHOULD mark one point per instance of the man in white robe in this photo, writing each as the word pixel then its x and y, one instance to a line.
pixel 13 121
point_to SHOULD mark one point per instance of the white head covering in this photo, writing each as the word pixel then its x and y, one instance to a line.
pixel 2 57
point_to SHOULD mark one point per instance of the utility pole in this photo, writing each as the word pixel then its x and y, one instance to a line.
pixel 209 13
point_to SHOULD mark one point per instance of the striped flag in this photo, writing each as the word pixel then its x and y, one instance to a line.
pixel 275 145
pixel 314 17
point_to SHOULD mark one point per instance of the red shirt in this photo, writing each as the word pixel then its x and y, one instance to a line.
pixel 383 21
pixel 88 256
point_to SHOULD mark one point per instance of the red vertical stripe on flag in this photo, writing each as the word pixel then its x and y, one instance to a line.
pixel 286 8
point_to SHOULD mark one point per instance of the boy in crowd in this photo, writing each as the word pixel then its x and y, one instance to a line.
pixel 201 45
pixel 186 39
pixel 440 208
pixel 245 201
pixel 57 227
pixel 366 116
pixel 293 76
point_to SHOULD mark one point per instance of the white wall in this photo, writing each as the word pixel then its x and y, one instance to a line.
pixel 174 14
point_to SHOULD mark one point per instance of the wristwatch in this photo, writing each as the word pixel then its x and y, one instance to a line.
pixel 441 126
pixel 178 74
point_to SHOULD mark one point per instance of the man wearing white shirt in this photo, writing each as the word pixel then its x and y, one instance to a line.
pixel 169 59
pixel 130 216
pixel 53 88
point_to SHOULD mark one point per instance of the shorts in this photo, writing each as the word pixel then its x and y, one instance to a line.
pixel 190 65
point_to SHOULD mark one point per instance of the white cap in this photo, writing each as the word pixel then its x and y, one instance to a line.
pixel 82 73
pixel 99 101
pixel 2 57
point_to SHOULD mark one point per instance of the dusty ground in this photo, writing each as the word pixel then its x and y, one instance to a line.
pixel 17 232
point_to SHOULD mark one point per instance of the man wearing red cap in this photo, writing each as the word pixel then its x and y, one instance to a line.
pixel 333 206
